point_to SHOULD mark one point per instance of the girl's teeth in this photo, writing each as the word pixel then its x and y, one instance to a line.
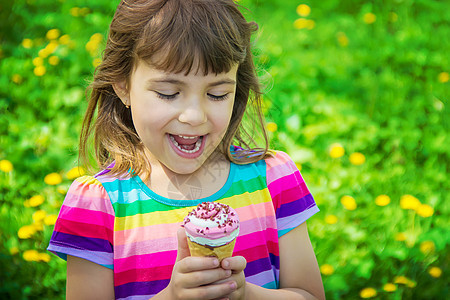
pixel 187 137
pixel 197 144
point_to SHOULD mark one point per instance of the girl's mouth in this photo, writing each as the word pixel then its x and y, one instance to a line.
pixel 187 146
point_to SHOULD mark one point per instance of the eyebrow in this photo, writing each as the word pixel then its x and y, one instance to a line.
pixel 180 82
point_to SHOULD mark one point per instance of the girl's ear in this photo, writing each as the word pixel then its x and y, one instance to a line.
pixel 122 92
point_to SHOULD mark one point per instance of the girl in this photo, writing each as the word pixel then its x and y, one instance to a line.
pixel 165 115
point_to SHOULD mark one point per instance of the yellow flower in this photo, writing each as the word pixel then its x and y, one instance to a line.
pixel 44 52
pixel 97 37
pixel 424 210
pixel 53 179
pixel 382 200
pixel 25 232
pixel 39 71
pixel 342 39
pixel 331 219
pixel 435 272
pixel 401 237
pixel 427 247
pixel 326 269
pixel 84 11
pixel 299 166
pixel 38 226
pixel 400 280
pixel 31 255
pixel 64 39
pixel 96 62
pixel 13 250
pixel 348 202
pixel 16 78
pixel 302 23
pixel 39 215
pixel 390 287
pixel 51 47
pixel 44 257
pixel 368 293
pixel 409 202
pixel 369 18
pixel 53 34
pixel 411 284
pixel 443 77
pixel 36 201
pixel 6 166
pixel 75 11
pixel 53 60
pixel 393 17
pixel 336 150
pixel 272 127
pixel 303 10
pixel 75 172
pixel 27 43
pixel 62 190
pixel 50 220
pixel 357 158
pixel 38 61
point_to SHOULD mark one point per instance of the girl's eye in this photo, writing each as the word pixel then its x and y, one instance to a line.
pixel 165 96
pixel 218 97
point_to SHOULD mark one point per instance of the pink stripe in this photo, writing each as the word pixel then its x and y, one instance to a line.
pixel 148 246
pixel 244 242
pixel 253 211
pixel 88 196
pixel 147 254
pixel 140 234
pixel 154 241
pixel 279 159
pixel 286 183
pixel 86 216
pixel 280 171
pixel 153 260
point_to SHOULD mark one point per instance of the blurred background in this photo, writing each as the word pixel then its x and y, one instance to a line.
pixel 355 91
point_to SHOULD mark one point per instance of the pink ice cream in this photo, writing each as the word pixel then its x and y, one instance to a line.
pixel 212 224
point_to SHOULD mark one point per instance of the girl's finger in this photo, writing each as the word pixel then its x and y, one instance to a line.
pixel 205 277
pixel 192 264
pixel 235 263
pixel 212 291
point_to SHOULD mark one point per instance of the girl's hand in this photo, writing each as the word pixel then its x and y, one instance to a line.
pixel 192 277
pixel 237 265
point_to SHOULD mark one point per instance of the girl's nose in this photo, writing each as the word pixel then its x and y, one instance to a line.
pixel 193 114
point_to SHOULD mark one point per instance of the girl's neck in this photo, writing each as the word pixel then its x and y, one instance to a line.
pixel 204 182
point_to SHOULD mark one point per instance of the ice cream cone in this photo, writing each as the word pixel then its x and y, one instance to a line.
pixel 220 252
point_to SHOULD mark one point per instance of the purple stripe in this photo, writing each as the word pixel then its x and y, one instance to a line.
pixel 295 207
pixel 293 221
pixel 257 266
pixel 101 258
pixel 140 288
pixel 80 242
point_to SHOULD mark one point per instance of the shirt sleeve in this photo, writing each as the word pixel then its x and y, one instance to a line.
pixel 292 201
pixel 85 224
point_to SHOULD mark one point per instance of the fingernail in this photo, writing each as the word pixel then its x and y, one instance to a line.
pixel 226 264
pixel 233 285
pixel 216 262
pixel 228 273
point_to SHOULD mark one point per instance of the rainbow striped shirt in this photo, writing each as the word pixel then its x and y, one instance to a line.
pixel 123 225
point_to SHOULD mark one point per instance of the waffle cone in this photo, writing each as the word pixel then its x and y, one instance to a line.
pixel 220 252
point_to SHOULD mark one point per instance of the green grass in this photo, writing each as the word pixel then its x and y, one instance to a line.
pixel 380 89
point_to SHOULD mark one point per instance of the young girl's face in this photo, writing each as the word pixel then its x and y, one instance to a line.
pixel 181 119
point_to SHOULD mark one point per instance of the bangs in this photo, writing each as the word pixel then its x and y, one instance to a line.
pixel 184 35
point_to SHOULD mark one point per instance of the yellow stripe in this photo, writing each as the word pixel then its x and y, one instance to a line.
pixel 88 180
pixel 177 215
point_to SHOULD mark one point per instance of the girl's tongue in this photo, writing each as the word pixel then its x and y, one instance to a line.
pixel 186 143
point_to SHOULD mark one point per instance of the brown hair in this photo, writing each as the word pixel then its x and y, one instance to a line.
pixel 213 31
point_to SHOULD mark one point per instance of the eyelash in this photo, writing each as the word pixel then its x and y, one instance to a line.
pixel 171 97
